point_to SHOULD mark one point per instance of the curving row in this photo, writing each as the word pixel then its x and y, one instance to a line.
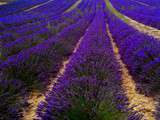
pixel 154 3
pixel 18 6
pixel 33 59
pixel 140 52
pixel 51 9
pixel 147 15
pixel 28 38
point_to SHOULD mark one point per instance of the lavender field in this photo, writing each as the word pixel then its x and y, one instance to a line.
pixel 80 60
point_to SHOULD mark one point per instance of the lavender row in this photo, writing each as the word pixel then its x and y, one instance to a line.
pixel 85 91
pixel 33 70
pixel 28 17
pixel 51 30
pixel 154 3
pixel 25 26
pixel 18 6
pixel 42 34
pixel 46 57
pixel 30 68
pixel 30 26
pixel 11 92
pixel 144 14
pixel 133 6
pixel 34 63
pixel 27 29
pixel 139 52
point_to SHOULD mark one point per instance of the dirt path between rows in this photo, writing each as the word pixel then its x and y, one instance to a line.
pixel 35 98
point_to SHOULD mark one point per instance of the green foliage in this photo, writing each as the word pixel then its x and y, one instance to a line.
pixel 87 110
